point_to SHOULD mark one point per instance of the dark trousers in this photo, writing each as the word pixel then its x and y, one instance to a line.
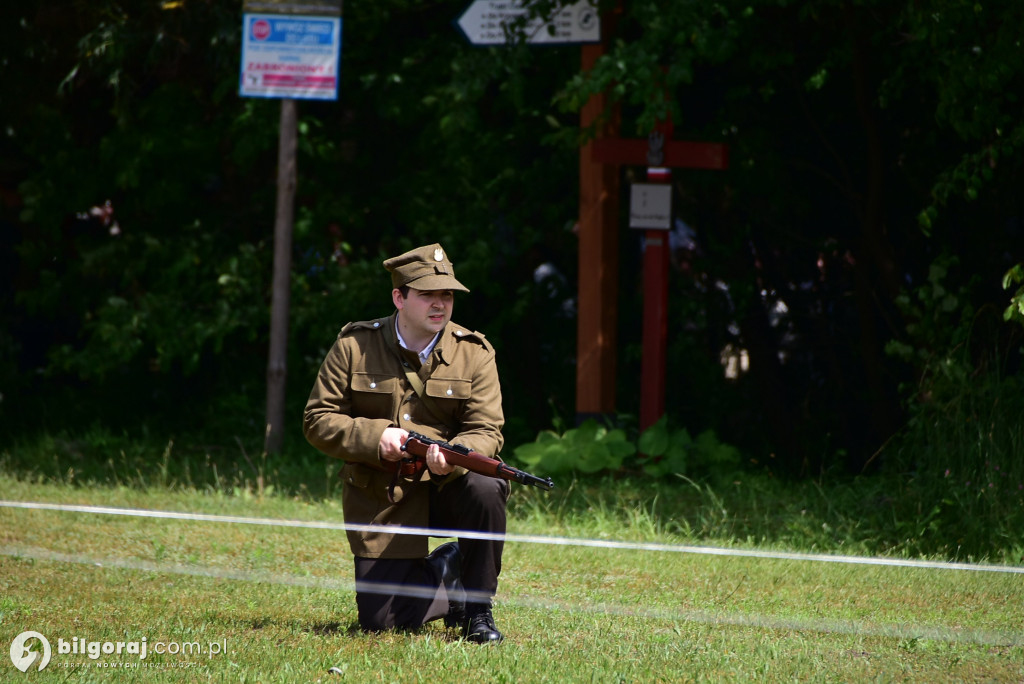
pixel 407 592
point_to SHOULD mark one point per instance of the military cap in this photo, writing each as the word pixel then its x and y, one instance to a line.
pixel 424 268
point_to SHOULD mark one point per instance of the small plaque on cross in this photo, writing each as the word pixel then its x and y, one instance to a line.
pixel 650 206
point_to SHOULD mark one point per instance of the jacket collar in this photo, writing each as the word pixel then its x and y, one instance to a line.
pixel 442 349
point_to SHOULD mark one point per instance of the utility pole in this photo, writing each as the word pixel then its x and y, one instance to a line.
pixel 277 361
pixel 290 49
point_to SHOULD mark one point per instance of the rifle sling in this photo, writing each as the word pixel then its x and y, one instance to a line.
pixel 432 408
pixel 421 391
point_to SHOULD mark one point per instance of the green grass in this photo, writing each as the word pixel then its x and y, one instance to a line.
pixel 280 599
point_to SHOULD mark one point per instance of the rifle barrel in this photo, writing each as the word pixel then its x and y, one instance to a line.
pixel 523 477
pixel 457 454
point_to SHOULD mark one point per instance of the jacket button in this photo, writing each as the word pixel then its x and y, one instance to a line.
pixel 449 393
pixel 373 385
pixel 376 324
pixel 405 417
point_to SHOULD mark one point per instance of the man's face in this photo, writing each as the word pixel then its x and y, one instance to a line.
pixel 424 312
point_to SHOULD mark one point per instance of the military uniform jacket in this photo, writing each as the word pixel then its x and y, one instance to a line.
pixel 362 388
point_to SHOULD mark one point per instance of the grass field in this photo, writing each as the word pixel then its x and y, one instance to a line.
pixel 274 604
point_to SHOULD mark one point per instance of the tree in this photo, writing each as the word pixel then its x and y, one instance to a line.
pixel 850 124
pixel 141 110
pixel 866 140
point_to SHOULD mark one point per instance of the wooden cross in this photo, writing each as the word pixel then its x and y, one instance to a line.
pixel 598 259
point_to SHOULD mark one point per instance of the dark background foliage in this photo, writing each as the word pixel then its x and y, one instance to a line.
pixel 871 143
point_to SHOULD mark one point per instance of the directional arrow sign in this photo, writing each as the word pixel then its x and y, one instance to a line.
pixel 492 22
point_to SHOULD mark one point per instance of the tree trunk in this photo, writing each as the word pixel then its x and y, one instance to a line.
pixel 277 363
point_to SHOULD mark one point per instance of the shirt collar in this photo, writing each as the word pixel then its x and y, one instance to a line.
pixel 425 354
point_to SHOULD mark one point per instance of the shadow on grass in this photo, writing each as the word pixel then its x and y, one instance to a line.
pixel 334 628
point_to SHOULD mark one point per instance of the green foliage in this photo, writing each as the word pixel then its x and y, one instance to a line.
pixel 966 54
pixel 660 451
pixel 843 121
pixel 1015 311
pixel 938 321
pixel 939 325
pixel 147 190
pixel 667 43
pixel 134 252
pixel 963 438
pixel 589 448
pixel 172 302
pixel 669 451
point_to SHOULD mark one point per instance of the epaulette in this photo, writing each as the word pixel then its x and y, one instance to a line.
pixel 375 324
pixel 462 334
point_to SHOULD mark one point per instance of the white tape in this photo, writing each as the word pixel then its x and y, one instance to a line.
pixel 520 538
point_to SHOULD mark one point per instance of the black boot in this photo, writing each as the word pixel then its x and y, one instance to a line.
pixel 446 564
pixel 479 627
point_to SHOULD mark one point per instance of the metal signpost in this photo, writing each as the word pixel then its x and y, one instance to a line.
pixel 290 49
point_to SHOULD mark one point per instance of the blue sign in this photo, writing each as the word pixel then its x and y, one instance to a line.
pixel 292 31
pixel 290 56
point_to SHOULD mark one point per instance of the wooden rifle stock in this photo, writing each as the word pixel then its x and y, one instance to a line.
pixel 456 454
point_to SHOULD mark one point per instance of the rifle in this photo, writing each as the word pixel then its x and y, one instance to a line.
pixel 456 454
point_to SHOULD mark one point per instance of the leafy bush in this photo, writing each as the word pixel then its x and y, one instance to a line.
pixel 1015 311
pixel 671 451
pixel 960 449
pixel 660 451
pixel 590 448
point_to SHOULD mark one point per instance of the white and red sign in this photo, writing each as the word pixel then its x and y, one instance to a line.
pixel 290 56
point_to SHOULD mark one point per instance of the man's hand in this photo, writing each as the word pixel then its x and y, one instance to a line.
pixel 390 449
pixel 391 442
pixel 436 461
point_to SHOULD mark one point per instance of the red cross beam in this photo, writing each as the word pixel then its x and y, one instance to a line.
pixel 659 153
pixel 677 153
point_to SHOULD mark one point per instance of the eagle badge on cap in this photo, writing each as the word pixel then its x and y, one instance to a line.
pixel 438 255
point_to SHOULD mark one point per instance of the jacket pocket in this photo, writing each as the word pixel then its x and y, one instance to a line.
pixel 449 396
pixel 355 475
pixel 373 394
pixel 449 388
pixel 363 496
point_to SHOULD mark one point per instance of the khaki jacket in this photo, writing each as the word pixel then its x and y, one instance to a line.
pixel 362 389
